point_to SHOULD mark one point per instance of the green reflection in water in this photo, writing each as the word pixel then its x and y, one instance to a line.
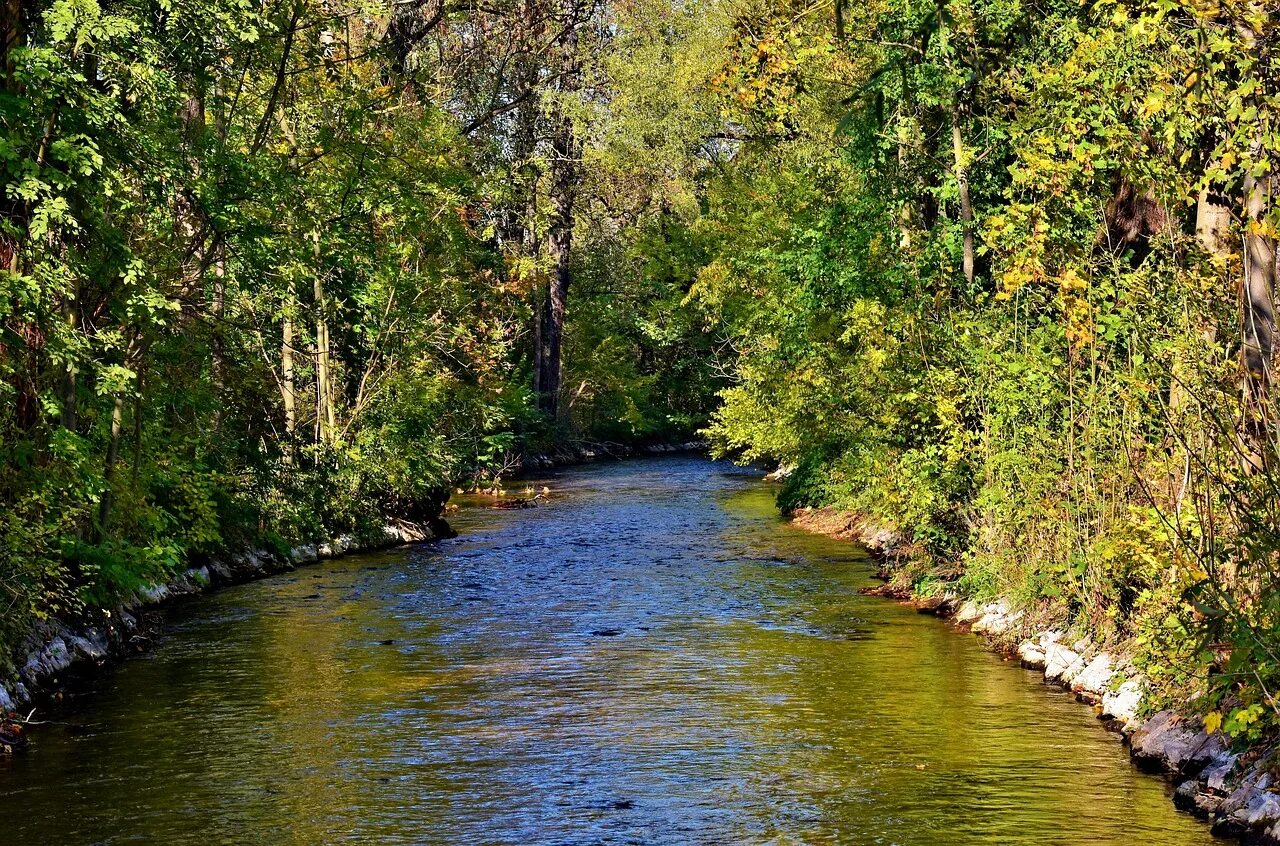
pixel 653 658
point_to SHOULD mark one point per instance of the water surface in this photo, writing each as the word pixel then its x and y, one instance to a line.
pixel 653 658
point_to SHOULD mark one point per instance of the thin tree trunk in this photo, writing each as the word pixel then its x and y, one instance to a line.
pixel 133 357
pixel 525 176
pixel 1257 290
pixel 962 184
pixel 539 351
pixel 109 465
pixel 563 192
pixel 289 392
pixel 288 381
pixel 325 419
pixel 1258 321
pixel 137 424
pixel 10 38
pixel 68 388
pixel 217 311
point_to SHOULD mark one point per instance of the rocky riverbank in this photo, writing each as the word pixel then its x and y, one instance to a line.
pixel 59 652
pixel 1238 793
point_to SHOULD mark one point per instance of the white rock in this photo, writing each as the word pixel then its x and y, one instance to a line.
pixel 1049 637
pixel 1123 703
pixel 968 612
pixel 305 554
pixel 6 701
pixel 1031 655
pixel 1060 661
pixel 1094 677
pixel 988 623
pixel 1068 676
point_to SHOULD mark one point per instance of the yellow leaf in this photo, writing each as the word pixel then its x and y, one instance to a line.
pixel 1212 721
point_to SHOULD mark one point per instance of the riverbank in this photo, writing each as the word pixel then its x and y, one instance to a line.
pixel 651 647
pixel 1236 792
pixel 60 652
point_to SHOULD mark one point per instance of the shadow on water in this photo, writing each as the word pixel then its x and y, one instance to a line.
pixel 654 657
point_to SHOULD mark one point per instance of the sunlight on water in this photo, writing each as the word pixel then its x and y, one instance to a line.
pixel 652 658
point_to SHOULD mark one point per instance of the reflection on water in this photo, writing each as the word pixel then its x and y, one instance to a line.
pixel 652 658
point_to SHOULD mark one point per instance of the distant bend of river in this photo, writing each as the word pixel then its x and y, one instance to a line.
pixel 654 657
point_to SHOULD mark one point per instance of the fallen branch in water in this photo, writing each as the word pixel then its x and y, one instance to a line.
pixel 531 502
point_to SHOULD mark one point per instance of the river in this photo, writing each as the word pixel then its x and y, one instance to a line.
pixel 654 657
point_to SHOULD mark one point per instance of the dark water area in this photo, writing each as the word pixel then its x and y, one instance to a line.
pixel 652 658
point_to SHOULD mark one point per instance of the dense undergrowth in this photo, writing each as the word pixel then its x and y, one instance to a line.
pixel 273 272
pixel 1074 409
pixel 999 274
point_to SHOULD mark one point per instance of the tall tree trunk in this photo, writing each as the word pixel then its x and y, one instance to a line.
pixel 288 386
pixel 962 185
pixel 132 359
pixel 564 185
pixel 10 38
pixel 1257 313
pixel 138 409
pixel 525 175
pixel 1257 290
pixel 217 310
pixel 560 242
pixel 288 380
pixel 68 387
pixel 326 422
pixel 109 464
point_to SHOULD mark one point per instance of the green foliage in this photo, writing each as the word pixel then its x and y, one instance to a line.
pixel 270 275
pixel 1066 427
pixel 259 286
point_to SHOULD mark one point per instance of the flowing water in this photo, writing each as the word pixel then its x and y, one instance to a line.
pixel 654 657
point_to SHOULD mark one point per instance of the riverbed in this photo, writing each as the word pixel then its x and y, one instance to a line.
pixel 652 657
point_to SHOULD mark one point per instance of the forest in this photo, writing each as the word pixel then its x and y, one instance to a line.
pixel 995 273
